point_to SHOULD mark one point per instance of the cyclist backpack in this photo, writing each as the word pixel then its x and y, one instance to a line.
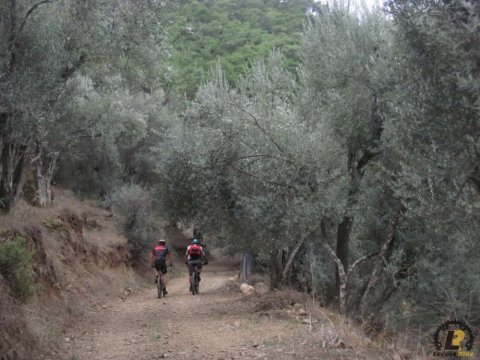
pixel 195 251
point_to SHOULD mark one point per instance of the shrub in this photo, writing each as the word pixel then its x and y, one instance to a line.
pixel 15 266
pixel 134 203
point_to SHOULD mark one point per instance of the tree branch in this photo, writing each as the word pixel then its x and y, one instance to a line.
pixel 29 12
pixel 377 268
pixel 331 252
pixel 360 260
pixel 257 177
pixel 262 156
pixel 257 124
pixel 289 263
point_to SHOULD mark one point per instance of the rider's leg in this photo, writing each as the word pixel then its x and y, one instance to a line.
pixel 163 269
pixel 191 268
pixel 199 268
pixel 190 272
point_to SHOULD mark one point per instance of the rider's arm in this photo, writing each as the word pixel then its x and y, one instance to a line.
pixel 170 258
pixel 204 256
pixel 152 256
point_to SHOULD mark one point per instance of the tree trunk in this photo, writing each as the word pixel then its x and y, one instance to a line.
pixel 45 168
pixel 379 261
pixel 341 270
pixel 248 262
pixel 13 35
pixel 343 241
pixel 15 166
pixel 294 253
pixel 342 278
pixel 276 266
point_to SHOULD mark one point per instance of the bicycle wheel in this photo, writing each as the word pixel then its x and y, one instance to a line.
pixel 160 286
pixel 196 283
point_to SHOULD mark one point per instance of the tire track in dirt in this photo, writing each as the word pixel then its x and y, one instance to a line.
pixel 181 326
pixel 216 324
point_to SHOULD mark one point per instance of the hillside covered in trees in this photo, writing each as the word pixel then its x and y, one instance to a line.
pixel 233 34
pixel 340 148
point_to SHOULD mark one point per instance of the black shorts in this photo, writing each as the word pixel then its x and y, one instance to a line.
pixel 161 265
pixel 194 263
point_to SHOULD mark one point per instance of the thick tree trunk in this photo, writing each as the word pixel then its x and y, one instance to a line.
pixel 44 196
pixel 248 262
pixel 44 170
pixel 276 267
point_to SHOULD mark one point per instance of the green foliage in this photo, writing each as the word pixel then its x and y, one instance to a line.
pixel 69 73
pixel 321 140
pixel 432 136
pixel 135 204
pixel 373 123
pixel 234 34
pixel 15 266
pixel 128 124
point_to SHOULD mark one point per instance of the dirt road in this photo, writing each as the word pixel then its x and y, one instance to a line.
pixel 216 324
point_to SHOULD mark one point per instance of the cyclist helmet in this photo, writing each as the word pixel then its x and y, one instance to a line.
pixel 195 241
pixel 161 242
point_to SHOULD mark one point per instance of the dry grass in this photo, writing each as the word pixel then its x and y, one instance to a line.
pixel 309 329
pixel 81 252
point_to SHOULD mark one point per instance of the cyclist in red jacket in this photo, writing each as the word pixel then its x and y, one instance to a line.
pixel 158 258
pixel 195 257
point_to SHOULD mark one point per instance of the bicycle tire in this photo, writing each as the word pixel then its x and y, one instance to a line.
pixel 196 283
pixel 160 287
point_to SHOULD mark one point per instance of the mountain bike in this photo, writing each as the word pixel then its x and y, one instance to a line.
pixel 195 281
pixel 160 285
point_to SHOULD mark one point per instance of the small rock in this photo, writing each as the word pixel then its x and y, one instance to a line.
pixel 247 289
pixel 302 312
pixel 255 345
pixel 104 306
pixel 67 339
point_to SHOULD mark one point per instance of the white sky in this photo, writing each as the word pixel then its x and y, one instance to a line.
pixel 355 3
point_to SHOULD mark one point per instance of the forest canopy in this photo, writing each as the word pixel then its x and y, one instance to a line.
pixel 341 149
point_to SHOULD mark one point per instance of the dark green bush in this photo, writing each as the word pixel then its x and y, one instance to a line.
pixel 15 266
